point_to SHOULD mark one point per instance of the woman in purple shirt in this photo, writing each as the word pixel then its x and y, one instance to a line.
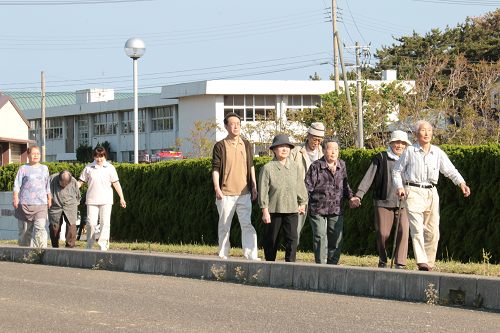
pixel 32 198
pixel 326 183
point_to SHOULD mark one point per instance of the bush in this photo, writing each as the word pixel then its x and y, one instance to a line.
pixel 174 201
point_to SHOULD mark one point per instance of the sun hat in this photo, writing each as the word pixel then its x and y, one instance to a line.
pixel 317 129
pixel 400 136
pixel 281 139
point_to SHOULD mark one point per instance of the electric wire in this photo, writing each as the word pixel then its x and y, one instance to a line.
pixel 347 2
pixel 64 2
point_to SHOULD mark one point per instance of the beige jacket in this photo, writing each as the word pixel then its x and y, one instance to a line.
pixel 299 155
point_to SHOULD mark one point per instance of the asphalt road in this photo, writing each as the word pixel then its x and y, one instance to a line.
pixel 39 298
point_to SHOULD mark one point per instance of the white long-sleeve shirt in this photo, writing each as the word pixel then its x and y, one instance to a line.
pixel 423 168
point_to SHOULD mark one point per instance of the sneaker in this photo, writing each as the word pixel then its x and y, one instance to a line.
pixel 398 266
pixel 224 257
pixel 382 265
pixel 256 259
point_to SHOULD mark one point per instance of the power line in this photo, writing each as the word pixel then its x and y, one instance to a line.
pixel 464 2
pixel 64 2
pixel 347 2
pixel 171 72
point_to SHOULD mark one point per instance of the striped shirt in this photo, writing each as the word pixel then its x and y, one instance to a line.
pixel 423 168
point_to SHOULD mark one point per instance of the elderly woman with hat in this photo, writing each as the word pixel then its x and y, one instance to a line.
pixel 385 199
pixel 327 185
pixel 305 154
pixel 282 196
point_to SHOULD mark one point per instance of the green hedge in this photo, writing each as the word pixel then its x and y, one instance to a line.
pixel 173 202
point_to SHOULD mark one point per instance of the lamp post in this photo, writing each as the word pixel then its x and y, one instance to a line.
pixel 135 48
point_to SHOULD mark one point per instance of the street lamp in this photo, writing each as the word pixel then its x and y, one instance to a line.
pixel 135 48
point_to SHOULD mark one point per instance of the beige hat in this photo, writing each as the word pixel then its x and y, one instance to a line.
pixel 400 136
pixel 317 129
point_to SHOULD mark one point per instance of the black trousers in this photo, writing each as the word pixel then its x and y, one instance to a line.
pixel 270 238
pixel 55 232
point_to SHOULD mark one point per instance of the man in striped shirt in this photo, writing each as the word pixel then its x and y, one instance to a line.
pixel 421 164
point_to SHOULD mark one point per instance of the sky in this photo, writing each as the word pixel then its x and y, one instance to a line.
pixel 79 44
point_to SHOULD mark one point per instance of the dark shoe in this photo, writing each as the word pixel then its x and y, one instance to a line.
pixel 398 266
pixel 382 265
pixel 424 267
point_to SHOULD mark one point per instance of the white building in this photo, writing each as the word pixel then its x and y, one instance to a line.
pixel 167 116
pixel 14 137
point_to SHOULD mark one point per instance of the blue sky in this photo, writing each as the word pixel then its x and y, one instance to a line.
pixel 193 40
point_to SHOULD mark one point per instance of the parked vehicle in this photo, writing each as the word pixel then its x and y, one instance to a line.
pixel 167 156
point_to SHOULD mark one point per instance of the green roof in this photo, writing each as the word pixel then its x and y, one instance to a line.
pixel 33 100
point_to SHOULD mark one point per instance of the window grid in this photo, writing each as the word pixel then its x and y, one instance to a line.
pixel 128 121
pixel 54 128
pixel 163 119
pixel 83 130
pixel 250 107
pixel 105 124
pixel 35 130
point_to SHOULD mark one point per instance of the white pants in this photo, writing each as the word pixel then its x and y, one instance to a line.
pixel 422 209
pixel 104 214
pixel 242 204
pixel 25 237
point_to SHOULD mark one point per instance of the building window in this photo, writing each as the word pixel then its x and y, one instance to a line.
pixel 35 130
pixel 163 119
pixel 83 130
pixel 105 124
pixel 54 128
pixel 128 121
pixel 128 156
pixel 250 107
pixel 301 102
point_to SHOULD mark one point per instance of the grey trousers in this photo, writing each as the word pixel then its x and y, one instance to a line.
pixel 302 222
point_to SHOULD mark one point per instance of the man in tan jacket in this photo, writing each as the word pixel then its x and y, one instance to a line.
pixel 305 154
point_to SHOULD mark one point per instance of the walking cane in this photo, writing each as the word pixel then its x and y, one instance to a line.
pixel 396 231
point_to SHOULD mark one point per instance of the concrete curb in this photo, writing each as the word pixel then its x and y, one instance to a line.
pixel 403 285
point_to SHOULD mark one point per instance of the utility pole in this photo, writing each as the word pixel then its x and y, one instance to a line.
pixel 335 50
pixel 361 141
pixel 346 84
pixel 43 117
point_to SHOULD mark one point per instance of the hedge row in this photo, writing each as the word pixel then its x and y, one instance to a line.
pixel 173 202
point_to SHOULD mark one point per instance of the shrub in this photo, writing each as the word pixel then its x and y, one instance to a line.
pixel 174 201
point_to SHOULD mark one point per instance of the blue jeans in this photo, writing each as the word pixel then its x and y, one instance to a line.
pixel 328 232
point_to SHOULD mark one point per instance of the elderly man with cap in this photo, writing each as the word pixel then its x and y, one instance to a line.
pixel 420 165
pixel 233 175
pixel 385 199
pixel 65 199
pixel 282 197
pixel 305 154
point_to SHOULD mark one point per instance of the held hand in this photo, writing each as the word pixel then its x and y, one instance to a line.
pixel 218 194
pixel 266 217
pixel 15 202
pixel 465 189
pixel 401 193
pixel 302 209
pixel 123 203
pixel 355 202
pixel 254 193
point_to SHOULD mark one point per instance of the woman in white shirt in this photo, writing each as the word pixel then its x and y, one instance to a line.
pixel 100 175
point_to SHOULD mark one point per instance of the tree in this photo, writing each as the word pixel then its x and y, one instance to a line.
pixel 202 138
pixel 459 107
pixel 84 153
pixel 340 119
pixel 262 131
pixel 476 39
